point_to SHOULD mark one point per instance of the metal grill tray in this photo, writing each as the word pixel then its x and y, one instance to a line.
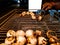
pixel 16 23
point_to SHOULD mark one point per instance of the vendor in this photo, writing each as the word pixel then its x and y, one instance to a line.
pixel 51 4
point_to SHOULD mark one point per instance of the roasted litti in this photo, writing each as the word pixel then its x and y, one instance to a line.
pixel 42 40
pixel 39 18
pixel 55 44
pixel 33 17
pixel 32 14
pixel 20 15
pixel 18 43
pixel 14 44
pixel 21 40
pixel 58 43
pixel 29 33
pixel 11 33
pixel 29 44
pixel 32 40
pixel 2 44
pixel 9 41
pixel 23 13
pixel 51 40
pixel 52 36
pixel 51 33
pixel 20 33
pixel 38 32
pixel 28 13
pixel 52 44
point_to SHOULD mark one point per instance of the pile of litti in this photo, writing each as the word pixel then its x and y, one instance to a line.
pixel 33 15
pixel 30 37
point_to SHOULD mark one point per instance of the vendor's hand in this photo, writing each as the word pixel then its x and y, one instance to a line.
pixel 47 6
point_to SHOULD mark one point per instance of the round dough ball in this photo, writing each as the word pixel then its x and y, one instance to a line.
pixel 14 44
pixel 2 44
pixel 20 33
pixel 38 32
pixel 53 44
pixel 33 17
pixel 32 14
pixel 28 13
pixel 40 18
pixel 20 15
pixel 9 40
pixel 23 13
pixel 41 40
pixel 11 33
pixel 33 41
pixel 21 40
pixel 17 44
pixel 51 40
pixel 29 44
pixel 29 33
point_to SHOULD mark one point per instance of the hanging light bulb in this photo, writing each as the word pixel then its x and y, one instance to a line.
pixel 18 1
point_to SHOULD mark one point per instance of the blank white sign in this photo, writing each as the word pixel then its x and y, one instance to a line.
pixel 34 5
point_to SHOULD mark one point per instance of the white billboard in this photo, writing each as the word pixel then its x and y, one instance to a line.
pixel 34 5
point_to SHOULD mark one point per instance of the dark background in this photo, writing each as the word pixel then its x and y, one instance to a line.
pixel 8 5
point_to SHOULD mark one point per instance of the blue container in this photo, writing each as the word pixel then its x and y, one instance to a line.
pixel 39 11
pixel 52 12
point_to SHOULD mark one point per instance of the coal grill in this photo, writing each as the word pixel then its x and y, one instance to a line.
pixel 16 22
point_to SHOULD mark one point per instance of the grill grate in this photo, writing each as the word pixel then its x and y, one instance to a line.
pixel 25 23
